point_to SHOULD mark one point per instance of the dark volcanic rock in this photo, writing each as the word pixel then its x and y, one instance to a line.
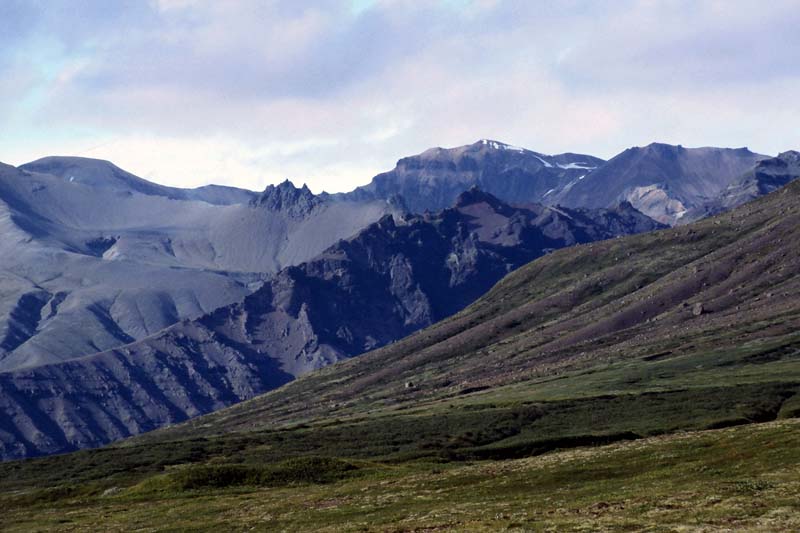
pixel 298 202
pixel 393 278
pixel 93 257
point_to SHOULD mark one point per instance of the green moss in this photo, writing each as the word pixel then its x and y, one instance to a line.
pixel 296 470
pixel 741 478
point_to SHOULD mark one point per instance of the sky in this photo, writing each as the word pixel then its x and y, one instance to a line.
pixel 330 93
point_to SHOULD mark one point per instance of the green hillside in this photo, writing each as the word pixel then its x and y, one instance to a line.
pixel 561 398
pixel 736 479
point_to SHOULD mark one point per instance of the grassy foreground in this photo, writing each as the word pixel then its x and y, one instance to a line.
pixel 745 478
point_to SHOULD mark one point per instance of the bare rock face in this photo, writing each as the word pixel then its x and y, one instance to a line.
pixel 286 197
pixel 766 176
pixel 661 180
pixel 656 203
pixel 670 184
pixel 93 257
pixel 433 179
pixel 396 276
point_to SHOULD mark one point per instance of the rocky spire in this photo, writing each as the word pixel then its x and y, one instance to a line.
pixel 287 198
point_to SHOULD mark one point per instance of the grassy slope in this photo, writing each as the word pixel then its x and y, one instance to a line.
pixel 743 478
pixel 598 308
pixel 591 345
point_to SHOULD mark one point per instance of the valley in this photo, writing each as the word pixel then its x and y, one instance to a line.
pixel 399 267
pixel 580 389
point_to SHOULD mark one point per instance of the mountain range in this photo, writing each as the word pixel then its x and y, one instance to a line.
pixel 671 184
pixel 710 311
pixel 93 257
pixel 126 305
pixel 613 383
pixel 661 180
pixel 391 279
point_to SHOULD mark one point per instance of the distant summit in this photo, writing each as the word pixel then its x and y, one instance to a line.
pixel 101 174
pixel 288 198
pixel 766 176
pixel 434 179
pixel 475 196
pixel 661 180
pixel 669 183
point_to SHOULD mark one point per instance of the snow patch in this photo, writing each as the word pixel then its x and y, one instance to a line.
pixel 560 212
pixel 501 146
pixel 572 183
pixel 579 166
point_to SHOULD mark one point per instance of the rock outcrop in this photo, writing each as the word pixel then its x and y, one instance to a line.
pixel 400 274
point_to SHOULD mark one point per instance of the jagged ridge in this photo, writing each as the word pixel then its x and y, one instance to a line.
pixel 393 278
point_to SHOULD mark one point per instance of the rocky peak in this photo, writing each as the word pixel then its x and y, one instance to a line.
pixel 663 150
pixel 287 198
pixel 476 196
pixel 792 157
pixel 785 163
pixel 625 207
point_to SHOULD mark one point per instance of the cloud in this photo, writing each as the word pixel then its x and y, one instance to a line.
pixel 192 91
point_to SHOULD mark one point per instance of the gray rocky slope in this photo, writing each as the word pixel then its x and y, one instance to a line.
pixel 100 174
pixel 765 177
pixel 398 275
pixel 433 179
pixel 94 260
pixel 671 184
pixel 661 180
pixel 92 257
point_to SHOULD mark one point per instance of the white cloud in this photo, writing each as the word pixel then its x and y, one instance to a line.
pixel 189 92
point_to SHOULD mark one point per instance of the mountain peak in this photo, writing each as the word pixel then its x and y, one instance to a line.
pixel 285 196
pixel 475 195
pixel 790 156
pixel 69 160
pixel 497 145
pixel 662 149
pixel 93 172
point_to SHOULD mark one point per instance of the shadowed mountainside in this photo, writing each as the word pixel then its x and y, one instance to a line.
pixel 706 314
pixel 393 278
pixel 94 257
